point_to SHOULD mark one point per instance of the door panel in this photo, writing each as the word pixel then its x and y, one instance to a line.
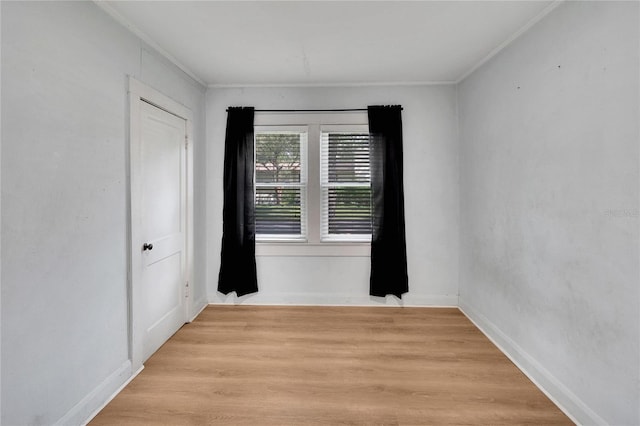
pixel 163 300
pixel 163 225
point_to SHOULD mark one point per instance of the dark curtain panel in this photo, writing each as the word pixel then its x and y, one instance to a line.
pixel 238 256
pixel 388 242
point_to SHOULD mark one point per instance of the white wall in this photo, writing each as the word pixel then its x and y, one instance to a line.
pixel 0 227
pixel 431 199
pixel 64 188
pixel 549 206
pixel 548 209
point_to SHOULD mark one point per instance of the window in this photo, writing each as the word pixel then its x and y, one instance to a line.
pixel 281 183
pixel 346 186
pixel 313 183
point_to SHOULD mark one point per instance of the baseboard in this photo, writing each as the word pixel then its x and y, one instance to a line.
pixel 113 395
pixel 81 413
pixel 199 307
pixel 323 299
pixel 566 400
pixel 96 400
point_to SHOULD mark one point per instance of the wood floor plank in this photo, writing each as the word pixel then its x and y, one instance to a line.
pixel 249 365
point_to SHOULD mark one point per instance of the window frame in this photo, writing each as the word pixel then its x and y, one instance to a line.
pixel 312 245
pixel 304 148
pixel 343 238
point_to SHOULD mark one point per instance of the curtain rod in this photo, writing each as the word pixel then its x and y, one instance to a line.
pixel 313 110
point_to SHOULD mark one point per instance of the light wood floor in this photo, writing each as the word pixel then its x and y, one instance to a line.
pixel 248 365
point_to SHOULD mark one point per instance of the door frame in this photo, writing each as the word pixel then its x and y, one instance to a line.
pixel 138 93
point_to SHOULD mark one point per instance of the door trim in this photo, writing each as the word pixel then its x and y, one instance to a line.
pixel 138 93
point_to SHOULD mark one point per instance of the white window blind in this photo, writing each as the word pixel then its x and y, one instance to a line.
pixel 281 184
pixel 345 180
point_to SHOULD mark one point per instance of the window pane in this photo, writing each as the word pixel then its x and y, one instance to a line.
pixel 278 210
pixel 278 157
pixel 348 157
pixel 349 210
pixel 345 181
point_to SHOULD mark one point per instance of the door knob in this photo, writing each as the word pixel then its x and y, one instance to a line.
pixel 147 246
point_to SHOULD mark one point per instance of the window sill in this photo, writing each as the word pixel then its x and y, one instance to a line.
pixel 333 249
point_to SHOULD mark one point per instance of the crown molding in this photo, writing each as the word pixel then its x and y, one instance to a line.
pixel 107 8
pixel 329 85
pixel 511 38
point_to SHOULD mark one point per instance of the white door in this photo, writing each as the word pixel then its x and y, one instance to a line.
pixel 163 228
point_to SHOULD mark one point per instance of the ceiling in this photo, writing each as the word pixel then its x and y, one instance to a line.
pixel 246 43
